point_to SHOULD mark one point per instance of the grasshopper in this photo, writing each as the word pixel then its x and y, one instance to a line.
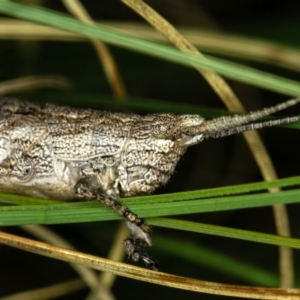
pixel 66 153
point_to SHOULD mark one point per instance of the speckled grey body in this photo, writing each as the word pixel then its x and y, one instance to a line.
pixel 45 151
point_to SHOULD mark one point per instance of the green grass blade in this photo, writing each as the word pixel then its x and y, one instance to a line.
pixel 93 211
pixel 217 261
pixel 24 200
pixel 221 191
pixel 227 232
pixel 227 69
pixel 181 196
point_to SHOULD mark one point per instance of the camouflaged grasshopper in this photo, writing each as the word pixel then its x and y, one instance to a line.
pixel 66 153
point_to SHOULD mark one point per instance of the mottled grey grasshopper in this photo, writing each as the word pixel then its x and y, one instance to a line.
pixel 66 153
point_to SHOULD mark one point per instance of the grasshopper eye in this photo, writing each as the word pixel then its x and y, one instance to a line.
pixel 164 126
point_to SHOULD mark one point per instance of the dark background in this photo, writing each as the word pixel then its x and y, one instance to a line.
pixel 214 163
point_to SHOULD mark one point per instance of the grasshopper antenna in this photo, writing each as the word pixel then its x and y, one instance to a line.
pixel 228 125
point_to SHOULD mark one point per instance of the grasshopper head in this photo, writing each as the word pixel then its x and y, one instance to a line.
pixel 181 129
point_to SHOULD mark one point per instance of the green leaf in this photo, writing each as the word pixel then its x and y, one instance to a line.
pixel 147 206
pixel 110 36
pixel 228 232
pixel 205 257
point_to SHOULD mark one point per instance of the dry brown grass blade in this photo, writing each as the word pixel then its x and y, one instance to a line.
pixel 217 83
pixel 116 253
pixel 146 275
pixel 109 65
pixel 256 145
pixel 89 277
pixel 49 292
pixel 220 43
pixel 33 82
pixel 214 42
pixel 11 29
pixel 99 290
